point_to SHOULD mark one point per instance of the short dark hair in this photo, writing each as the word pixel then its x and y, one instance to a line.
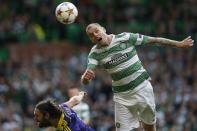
pixel 49 106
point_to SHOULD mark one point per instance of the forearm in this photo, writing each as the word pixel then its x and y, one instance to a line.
pixel 163 41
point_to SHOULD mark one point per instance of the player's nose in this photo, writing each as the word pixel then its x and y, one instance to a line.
pixel 95 34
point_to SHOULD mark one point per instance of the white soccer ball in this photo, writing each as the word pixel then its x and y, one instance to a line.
pixel 66 13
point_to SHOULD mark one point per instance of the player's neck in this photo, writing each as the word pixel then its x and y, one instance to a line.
pixel 109 39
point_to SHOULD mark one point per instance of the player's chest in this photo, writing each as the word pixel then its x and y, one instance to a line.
pixel 115 55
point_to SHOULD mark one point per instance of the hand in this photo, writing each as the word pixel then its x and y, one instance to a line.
pixel 80 96
pixel 83 93
pixel 87 76
pixel 187 42
pixel 75 100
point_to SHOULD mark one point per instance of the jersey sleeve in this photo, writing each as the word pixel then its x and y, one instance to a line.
pixel 67 112
pixel 137 39
pixel 92 60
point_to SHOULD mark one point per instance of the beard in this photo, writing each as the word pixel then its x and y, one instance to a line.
pixel 44 123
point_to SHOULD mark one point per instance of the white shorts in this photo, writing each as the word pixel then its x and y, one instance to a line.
pixel 128 117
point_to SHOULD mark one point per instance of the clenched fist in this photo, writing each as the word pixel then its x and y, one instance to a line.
pixel 87 76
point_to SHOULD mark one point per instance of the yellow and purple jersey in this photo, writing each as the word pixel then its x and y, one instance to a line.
pixel 70 121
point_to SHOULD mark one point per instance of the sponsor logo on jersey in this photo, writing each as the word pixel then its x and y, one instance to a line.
pixel 117 58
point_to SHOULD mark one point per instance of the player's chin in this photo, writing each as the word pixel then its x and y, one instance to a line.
pixel 97 41
pixel 94 42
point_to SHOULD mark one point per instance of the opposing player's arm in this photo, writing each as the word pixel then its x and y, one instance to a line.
pixel 187 42
pixel 75 100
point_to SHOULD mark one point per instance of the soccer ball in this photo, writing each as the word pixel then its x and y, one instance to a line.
pixel 66 13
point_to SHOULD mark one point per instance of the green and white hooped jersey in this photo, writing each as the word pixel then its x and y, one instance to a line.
pixel 121 61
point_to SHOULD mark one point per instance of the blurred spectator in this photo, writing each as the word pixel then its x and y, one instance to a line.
pixel 82 109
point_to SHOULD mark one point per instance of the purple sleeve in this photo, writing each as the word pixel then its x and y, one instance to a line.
pixel 67 112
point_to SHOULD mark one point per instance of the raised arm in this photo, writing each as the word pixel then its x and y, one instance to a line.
pixel 187 42
pixel 75 100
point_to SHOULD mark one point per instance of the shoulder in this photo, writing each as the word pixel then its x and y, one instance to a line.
pixel 122 36
pixel 93 49
pixel 67 110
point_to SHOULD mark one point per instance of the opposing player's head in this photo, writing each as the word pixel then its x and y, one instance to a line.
pixel 96 33
pixel 45 112
pixel 73 91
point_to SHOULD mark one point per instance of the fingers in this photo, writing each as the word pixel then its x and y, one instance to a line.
pixel 90 72
pixel 187 42
pixel 188 37
pixel 190 41
pixel 88 75
pixel 83 93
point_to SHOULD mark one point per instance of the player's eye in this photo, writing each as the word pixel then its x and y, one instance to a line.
pixel 97 31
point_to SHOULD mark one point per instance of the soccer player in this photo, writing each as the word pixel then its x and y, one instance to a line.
pixel 49 114
pixel 133 92
pixel 82 109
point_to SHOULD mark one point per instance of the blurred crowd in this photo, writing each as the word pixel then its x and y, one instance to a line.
pixel 26 79
pixel 29 20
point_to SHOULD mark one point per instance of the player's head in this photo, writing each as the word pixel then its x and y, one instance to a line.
pixel 73 91
pixel 46 111
pixel 96 33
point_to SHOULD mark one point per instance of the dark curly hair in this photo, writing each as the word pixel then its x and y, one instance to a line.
pixel 49 106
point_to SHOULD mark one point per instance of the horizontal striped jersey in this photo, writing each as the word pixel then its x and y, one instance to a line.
pixel 121 61
pixel 83 111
